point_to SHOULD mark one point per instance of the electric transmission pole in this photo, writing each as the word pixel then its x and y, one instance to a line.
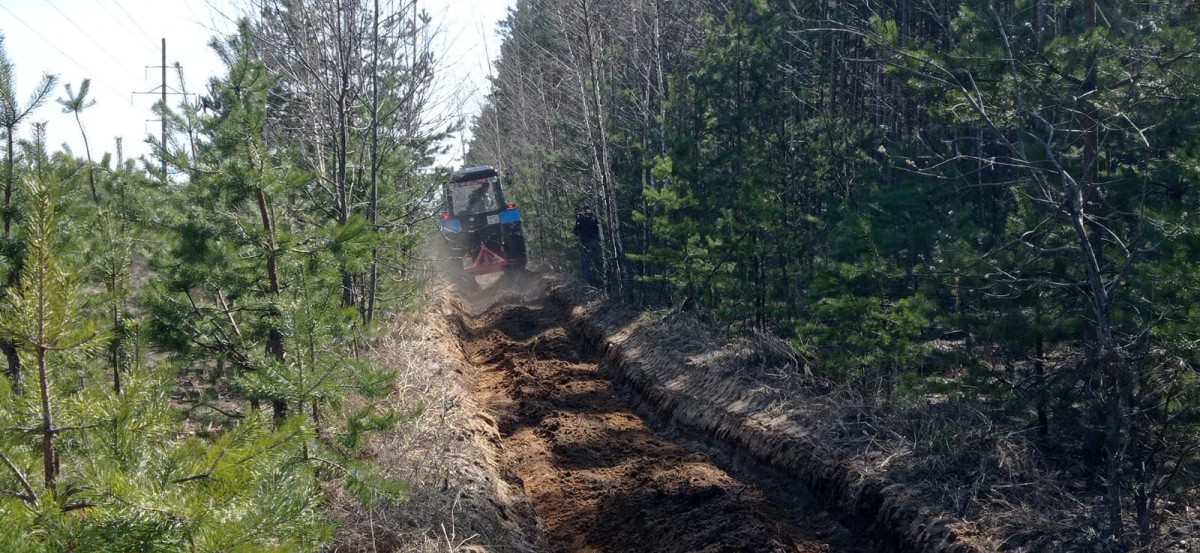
pixel 163 92
pixel 164 110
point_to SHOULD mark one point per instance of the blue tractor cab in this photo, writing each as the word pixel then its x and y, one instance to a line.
pixel 482 232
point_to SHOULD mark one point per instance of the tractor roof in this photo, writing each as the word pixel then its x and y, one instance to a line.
pixel 473 173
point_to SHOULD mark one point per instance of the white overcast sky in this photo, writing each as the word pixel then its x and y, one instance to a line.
pixel 114 43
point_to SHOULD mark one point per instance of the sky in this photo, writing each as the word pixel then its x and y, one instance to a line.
pixel 118 45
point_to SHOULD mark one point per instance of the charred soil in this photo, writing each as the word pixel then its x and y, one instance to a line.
pixel 599 476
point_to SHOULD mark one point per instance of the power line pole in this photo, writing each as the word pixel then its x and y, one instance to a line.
pixel 163 92
pixel 164 110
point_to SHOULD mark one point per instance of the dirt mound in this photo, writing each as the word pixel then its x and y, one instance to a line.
pixel 705 389
pixel 598 475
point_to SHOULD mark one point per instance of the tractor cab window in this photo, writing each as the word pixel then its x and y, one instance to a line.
pixel 474 197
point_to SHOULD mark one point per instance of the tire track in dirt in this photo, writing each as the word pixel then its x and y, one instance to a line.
pixel 599 477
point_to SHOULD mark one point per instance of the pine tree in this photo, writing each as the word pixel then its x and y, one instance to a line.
pixel 40 319
pixel 91 468
pixel 12 114
pixel 253 278
pixel 75 104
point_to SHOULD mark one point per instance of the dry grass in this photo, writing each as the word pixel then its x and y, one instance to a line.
pixel 988 474
pixel 957 461
pixel 460 499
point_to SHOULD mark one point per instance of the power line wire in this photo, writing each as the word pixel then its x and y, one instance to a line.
pixel 86 35
pixel 188 4
pixel 135 23
pixel 103 5
pixel 59 50
pixel 213 8
pixel 208 23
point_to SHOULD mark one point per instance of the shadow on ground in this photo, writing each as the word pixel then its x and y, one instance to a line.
pixel 599 477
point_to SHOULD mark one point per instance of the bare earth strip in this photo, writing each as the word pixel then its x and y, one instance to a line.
pixel 731 395
pixel 600 478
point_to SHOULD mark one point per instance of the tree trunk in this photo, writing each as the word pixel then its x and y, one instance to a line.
pixel 275 336
pixel 587 70
pixel 1039 372
pixel 49 461
pixel 1088 210
pixel 88 151
pixel 115 347
pixel 373 206
pixel 13 371
pixel 342 142
pixel 279 406
pixel 9 176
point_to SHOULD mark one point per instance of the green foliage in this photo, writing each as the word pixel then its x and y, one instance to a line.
pixel 985 201
pixel 247 270
pixel 850 330
pixel 125 478
pixel 140 487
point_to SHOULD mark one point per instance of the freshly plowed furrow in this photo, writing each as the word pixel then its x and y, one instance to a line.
pixel 598 475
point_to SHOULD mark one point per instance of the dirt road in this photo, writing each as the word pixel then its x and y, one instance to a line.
pixel 599 476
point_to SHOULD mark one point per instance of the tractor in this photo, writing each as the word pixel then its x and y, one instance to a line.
pixel 482 234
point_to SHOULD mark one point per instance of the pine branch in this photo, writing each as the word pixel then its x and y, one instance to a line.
pixel 29 496
pixel 73 345
pixel 55 430
pixel 232 415
pixel 228 313
pixel 23 497
pixel 204 474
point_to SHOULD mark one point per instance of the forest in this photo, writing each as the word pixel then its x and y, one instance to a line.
pixel 985 206
pixel 183 334
pixel 976 223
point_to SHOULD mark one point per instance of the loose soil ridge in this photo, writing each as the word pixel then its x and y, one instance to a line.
pixel 598 475
pixel 707 404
